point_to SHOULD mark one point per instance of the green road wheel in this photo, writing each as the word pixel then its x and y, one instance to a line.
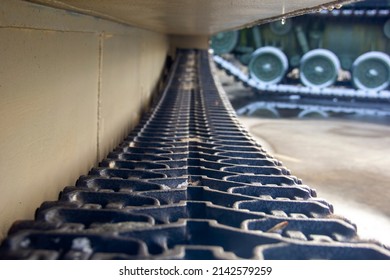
pixel 268 65
pixel 371 71
pixel 319 68
pixel 224 42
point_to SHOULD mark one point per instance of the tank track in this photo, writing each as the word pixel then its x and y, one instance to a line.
pixel 331 99
pixel 188 183
pixel 356 12
pixel 306 108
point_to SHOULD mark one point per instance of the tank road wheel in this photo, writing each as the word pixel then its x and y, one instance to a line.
pixel 319 68
pixel 371 71
pixel 281 27
pixel 224 42
pixel 268 65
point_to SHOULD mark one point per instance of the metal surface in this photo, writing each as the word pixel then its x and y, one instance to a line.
pixel 224 42
pixel 281 96
pixel 319 68
pixel 189 182
pixel 318 45
pixel 188 17
pixel 371 71
pixel 268 65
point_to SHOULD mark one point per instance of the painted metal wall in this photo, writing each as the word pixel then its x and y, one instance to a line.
pixel 189 17
pixel 71 87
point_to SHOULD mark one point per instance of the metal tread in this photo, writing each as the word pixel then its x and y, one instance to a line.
pixel 282 96
pixel 189 182
pixel 355 13
pixel 231 69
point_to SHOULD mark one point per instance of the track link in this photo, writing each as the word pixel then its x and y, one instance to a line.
pixel 332 100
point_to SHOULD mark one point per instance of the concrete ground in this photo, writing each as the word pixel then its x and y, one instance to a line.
pixel 346 161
